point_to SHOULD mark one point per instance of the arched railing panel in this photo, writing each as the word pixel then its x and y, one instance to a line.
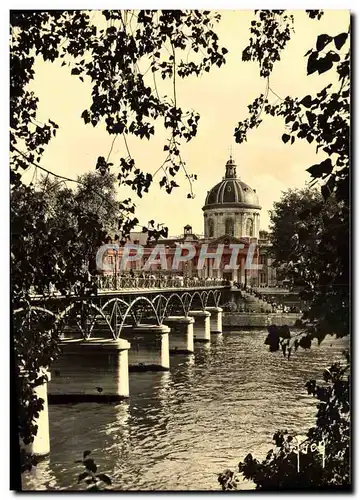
pixel 127 312
pixel 171 300
pixel 196 294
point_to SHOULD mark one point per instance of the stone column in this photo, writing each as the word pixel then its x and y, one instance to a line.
pixel 235 275
pixel 215 319
pixel 181 340
pixel 149 347
pixel 201 325
pixel 210 261
pixel 242 270
pixel 90 370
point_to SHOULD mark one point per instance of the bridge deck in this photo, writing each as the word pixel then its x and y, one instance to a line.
pixel 133 291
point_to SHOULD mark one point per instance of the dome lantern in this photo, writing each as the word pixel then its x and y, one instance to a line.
pixel 230 172
pixel 231 191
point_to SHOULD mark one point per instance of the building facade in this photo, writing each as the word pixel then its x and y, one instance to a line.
pixel 231 218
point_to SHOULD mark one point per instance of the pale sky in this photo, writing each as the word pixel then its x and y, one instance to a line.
pixel 221 97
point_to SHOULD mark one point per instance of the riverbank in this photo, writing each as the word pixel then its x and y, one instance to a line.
pixel 258 320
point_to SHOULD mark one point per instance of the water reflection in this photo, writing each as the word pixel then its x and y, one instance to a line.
pixel 41 477
pixel 179 428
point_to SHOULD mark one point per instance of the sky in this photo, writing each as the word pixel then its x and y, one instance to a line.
pixel 221 97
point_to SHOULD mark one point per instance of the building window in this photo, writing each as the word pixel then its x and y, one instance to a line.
pixel 210 228
pixel 229 227
pixel 249 227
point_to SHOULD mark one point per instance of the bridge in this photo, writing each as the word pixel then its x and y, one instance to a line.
pixel 121 302
pixel 128 324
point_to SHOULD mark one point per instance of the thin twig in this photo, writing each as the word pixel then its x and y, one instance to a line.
pixel 265 97
pixel 174 73
pixel 271 90
pixel 126 145
pixel 156 90
pixel 112 145
pixel 187 176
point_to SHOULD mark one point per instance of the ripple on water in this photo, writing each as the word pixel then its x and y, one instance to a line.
pixel 179 429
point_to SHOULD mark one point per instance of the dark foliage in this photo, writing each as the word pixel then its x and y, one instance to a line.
pixel 54 229
pixel 320 239
pixel 311 243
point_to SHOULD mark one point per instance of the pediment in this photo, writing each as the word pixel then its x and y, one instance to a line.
pixel 227 240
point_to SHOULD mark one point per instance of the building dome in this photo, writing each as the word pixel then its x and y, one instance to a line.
pixel 231 208
pixel 231 191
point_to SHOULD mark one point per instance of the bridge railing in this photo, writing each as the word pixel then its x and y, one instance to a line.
pixel 113 282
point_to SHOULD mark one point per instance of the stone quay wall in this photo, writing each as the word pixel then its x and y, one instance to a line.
pixel 258 320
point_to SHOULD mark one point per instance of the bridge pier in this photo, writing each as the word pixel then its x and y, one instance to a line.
pixel 40 446
pixel 149 347
pixel 201 325
pixel 181 340
pixel 90 370
pixel 215 319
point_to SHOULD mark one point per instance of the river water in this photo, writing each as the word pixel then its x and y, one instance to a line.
pixel 180 428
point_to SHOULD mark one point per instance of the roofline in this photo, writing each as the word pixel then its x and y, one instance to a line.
pixel 230 205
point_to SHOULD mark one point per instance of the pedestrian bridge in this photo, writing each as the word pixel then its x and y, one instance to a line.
pixel 121 302
pixel 129 324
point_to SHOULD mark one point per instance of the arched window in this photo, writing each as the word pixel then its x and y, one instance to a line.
pixel 210 228
pixel 229 227
pixel 249 227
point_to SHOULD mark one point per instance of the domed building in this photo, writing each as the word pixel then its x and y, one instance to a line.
pixel 231 207
pixel 231 217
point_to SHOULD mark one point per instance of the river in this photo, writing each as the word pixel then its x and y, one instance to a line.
pixel 180 428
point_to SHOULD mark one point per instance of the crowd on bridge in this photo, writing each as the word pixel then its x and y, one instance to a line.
pixel 134 280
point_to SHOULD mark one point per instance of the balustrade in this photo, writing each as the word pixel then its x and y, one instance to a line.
pixel 117 282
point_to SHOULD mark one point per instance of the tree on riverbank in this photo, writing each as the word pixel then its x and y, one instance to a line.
pixel 323 120
pixel 94 193
pixel 122 54
pixel 300 223
pixel 318 244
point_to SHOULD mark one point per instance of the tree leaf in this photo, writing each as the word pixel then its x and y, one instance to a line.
pixel 322 41
pixel 339 40
pixel 325 63
pixel 90 464
pixel 285 138
pixel 82 476
pixel 104 477
pixel 86 116
pixel 306 101
pixel 312 65
pixel 320 169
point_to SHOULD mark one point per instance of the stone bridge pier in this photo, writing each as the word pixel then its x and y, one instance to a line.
pixel 215 319
pixel 149 347
pixel 40 447
pixel 201 325
pixel 105 336
pixel 90 370
pixel 181 340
